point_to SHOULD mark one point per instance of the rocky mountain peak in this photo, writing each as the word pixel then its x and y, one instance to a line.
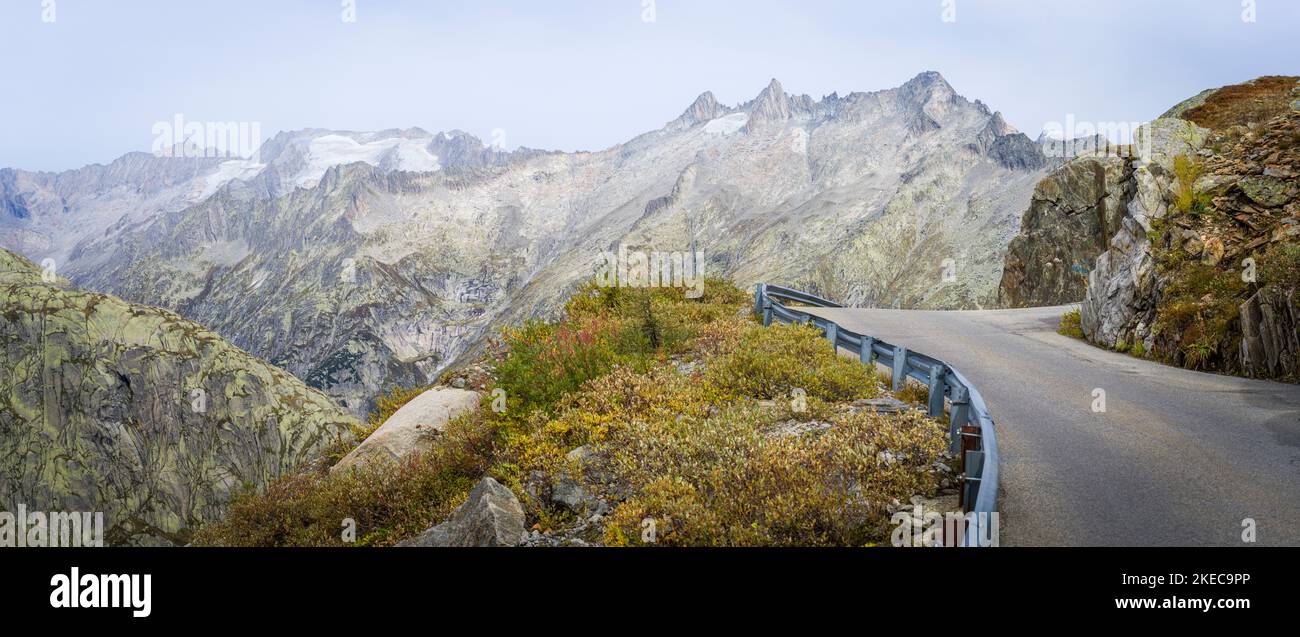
pixel 772 105
pixel 999 126
pixel 773 88
pixel 928 91
pixel 1001 142
pixel 705 108
pixel 930 80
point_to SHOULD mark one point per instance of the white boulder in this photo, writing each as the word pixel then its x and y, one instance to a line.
pixel 411 428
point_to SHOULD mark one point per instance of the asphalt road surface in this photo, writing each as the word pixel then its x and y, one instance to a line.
pixel 1177 458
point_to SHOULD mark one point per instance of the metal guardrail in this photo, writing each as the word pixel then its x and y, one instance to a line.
pixel 970 429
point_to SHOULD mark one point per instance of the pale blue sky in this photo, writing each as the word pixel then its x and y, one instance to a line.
pixel 568 75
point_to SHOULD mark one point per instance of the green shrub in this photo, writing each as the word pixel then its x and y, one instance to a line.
pixel 721 481
pixel 546 361
pixel 913 392
pixel 606 327
pixel 1197 317
pixel 1071 324
pixel 1187 198
pixel 588 416
pixel 771 362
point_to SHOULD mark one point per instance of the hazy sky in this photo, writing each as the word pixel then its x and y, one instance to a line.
pixel 568 75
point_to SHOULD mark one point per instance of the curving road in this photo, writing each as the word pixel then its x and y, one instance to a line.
pixel 1178 457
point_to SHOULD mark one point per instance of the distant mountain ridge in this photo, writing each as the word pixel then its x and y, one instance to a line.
pixel 46 214
pixel 357 262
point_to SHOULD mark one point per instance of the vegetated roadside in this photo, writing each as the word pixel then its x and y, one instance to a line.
pixel 1230 247
pixel 642 409
pixel 1071 325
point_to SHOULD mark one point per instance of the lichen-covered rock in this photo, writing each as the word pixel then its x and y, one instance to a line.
pixel 1270 344
pixel 1124 288
pixel 1265 190
pixel 137 413
pixel 412 428
pixel 1161 141
pixel 491 516
pixel 1072 216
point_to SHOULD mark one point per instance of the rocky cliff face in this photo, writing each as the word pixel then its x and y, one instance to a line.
pixel 366 275
pixel 1072 216
pixel 1196 236
pixel 1123 287
pixel 137 413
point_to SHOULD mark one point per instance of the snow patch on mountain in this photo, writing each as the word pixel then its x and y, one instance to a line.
pixel 727 124
pixel 328 151
pixel 228 171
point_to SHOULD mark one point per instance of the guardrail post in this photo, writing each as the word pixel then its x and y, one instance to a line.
pixel 767 312
pixel 833 335
pixel 960 416
pixel 867 351
pixel 937 373
pixel 900 367
pixel 758 299
pixel 970 488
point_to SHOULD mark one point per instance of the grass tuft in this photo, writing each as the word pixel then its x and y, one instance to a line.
pixel 1071 324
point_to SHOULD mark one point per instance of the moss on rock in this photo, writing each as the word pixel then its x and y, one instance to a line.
pixel 138 413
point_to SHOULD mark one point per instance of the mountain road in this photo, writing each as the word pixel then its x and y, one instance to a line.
pixel 1177 457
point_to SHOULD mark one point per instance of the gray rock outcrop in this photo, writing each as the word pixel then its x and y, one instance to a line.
pixel 491 516
pixel 1123 287
pixel 1270 345
pixel 1072 216
pixel 1208 193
